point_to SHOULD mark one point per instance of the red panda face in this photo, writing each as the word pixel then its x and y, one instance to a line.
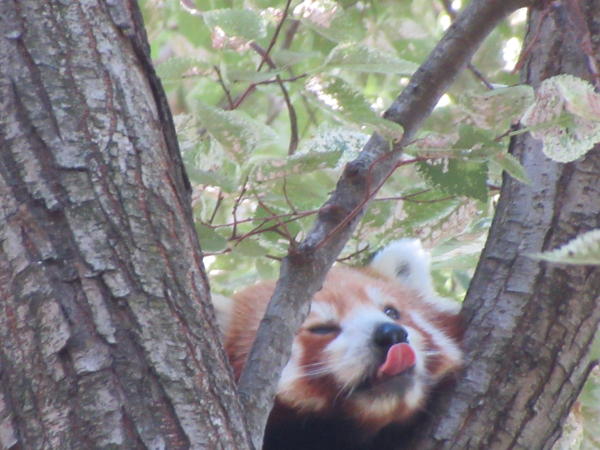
pixel 374 343
pixel 366 352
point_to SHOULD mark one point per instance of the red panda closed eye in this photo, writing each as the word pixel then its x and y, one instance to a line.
pixel 375 343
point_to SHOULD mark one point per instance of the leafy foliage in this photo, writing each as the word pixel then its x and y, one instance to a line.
pixel 272 99
pixel 585 249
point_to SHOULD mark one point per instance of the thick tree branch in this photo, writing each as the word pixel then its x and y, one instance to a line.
pixel 530 324
pixel 304 269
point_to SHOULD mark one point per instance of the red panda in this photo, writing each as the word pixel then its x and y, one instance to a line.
pixel 375 343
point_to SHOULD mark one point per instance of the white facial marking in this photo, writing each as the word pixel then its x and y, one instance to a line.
pixel 414 396
pixel 382 406
pixel 350 352
pixel 447 346
pixel 325 312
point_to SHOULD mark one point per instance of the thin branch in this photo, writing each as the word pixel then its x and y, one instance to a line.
pixel 452 13
pixel 235 207
pixel 275 35
pixel 290 33
pixel 222 83
pixel 217 205
pixel 283 228
pixel 353 254
pixel 291 111
pixel 287 199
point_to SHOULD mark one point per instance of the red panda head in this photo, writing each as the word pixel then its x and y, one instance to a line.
pixel 374 343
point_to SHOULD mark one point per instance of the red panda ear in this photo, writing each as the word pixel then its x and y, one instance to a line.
pixel 223 310
pixel 406 261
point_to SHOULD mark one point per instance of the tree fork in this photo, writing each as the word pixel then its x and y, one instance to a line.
pixel 530 324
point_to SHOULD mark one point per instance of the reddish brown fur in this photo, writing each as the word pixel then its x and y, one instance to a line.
pixel 344 289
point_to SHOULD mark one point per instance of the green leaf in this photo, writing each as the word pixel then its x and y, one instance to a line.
pixel 368 59
pixel 174 69
pixel 580 97
pixel 299 163
pixel 211 178
pixel 339 99
pixel 512 166
pixel 584 250
pixel 250 247
pixel 210 240
pixel 240 25
pixel 251 76
pixel 565 136
pixel 287 58
pixel 335 138
pixel 479 144
pixel 497 109
pixel 426 208
pixel 238 133
pixel 473 144
pixel 329 19
pixel 457 177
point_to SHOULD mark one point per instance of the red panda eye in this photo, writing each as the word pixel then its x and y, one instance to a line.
pixel 324 329
pixel 392 313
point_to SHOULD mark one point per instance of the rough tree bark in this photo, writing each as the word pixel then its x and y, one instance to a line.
pixel 106 337
pixel 531 324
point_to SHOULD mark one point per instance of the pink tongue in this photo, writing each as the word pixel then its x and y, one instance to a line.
pixel 400 357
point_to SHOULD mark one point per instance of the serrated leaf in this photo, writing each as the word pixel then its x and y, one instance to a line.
pixel 210 240
pixel 335 138
pixel 497 109
pixel 368 59
pixel 472 144
pixel 457 177
pixel 419 214
pixel 211 178
pixel 287 58
pixel 581 99
pixel 339 99
pixel 329 19
pixel 242 25
pixel 512 166
pixel 565 136
pixel 479 144
pixel 250 247
pixel 584 250
pixel 300 163
pixel 174 69
pixel 238 133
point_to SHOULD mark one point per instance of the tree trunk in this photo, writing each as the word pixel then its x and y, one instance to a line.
pixel 107 339
pixel 530 325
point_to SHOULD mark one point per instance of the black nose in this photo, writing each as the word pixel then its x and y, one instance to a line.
pixel 387 334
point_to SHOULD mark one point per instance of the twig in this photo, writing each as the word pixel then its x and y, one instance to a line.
pixel 218 204
pixel 291 111
pixel 369 194
pixel 284 228
pixel 235 207
pixel 287 199
pixel 354 254
pixel 222 82
pixel 275 35
pixel 452 13
pixel 290 33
